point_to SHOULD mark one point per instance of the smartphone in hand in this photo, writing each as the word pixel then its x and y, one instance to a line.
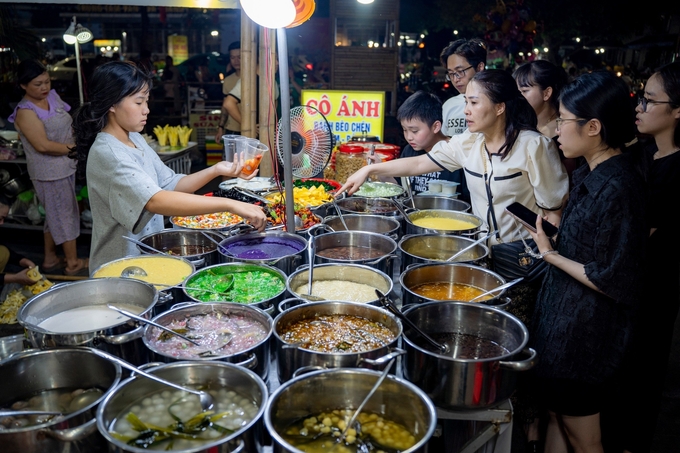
pixel 527 217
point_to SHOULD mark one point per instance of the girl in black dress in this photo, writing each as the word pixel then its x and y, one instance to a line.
pixel 587 305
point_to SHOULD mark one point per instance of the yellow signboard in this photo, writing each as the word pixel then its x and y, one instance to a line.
pixel 178 48
pixel 349 113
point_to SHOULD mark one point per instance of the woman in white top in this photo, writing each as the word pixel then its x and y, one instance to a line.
pixel 503 155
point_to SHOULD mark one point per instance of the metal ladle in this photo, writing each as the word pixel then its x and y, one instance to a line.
pixel 387 303
pixel 498 288
pixel 310 256
pixel 146 246
pixel 155 324
pixel 167 329
pixel 206 400
pixel 136 271
pixel 10 413
pixel 478 241
pixel 366 399
pixel 342 218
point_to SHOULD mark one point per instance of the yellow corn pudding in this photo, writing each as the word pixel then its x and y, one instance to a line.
pixel 444 223
pixel 163 270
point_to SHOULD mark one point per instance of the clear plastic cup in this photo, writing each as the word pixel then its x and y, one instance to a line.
pixel 231 146
pixel 253 154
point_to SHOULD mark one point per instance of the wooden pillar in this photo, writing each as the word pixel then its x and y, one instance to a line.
pixel 248 76
pixel 267 98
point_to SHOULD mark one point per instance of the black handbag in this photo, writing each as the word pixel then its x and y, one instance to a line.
pixel 511 260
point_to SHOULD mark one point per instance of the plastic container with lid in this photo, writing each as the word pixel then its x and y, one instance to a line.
pixel 348 160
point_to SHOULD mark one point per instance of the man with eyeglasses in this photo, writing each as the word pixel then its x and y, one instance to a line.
pixel 228 125
pixel 463 59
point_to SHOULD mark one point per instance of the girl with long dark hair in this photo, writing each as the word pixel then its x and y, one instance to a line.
pixel 587 305
pixel 130 188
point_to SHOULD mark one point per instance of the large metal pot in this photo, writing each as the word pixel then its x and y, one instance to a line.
pixel 432 248
pixel 440 213
pixel 191 245
pixel 29 373
pixel 280 249
pixel 451 273
pixel 122 339
pixel 169 271
pixel 374 206
pixel 268 305
pixel 466 383
pixel 435 202
pixel 208 376
pixel 255 358
pixel 11 344
pixel 15 186
pixel 365 222
pixel 292 359
pixel 310 394
pixel 373 243
pixel 356 273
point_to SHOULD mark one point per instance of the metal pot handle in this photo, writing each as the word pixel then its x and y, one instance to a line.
pixel 307 369
pixel 250 363
pixel 393 354
pixel 182 304
pixel 72 434
pixel 312 231
pixel 198 263
pixel 521 365
pixel 124 337
pixel 290 303
pixel 241 446
pixel 390 257
pixel 163 297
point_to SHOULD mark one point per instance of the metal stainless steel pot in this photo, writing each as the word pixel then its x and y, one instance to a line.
pixel 29 373
pixel 466 383
pixel 191 244
pixel 435 202
pixel 208 376
pixel 16 185
pixel 440 213
pixel 374 206
pixel 310 394
pixel 11 344
pixel 356 273
pixel 292 359
pixel 269 305
pixel 155 274
pixel 122 339
pixel 432 248
pixel 359 240
pixel 255 358
pixel 250 247
pixel 365 222
pixel 451 273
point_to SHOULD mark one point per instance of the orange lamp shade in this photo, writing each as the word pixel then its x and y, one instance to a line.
pixel 303 11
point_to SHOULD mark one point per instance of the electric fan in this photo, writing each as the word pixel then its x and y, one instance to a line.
pixel 311 141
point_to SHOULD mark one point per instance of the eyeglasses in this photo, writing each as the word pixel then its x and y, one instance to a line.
pixel 645 102
pixel 559 121
pixel 457 74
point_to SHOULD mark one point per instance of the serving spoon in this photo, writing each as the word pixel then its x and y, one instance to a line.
pixel 206 400
pixel 11 413
pixel 311 248
pixel 465 249
pixel 209 353
pixel 498 288
pixel 387 303
pixel 146 246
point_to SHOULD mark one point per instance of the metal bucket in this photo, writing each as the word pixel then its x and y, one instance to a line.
pixel 435 202
pixel 280 249
pixel 191 245
pixel 121 338
pixel 30 373
pixel 466 383
pixel 433 248
pixel 476 222
pixel 310 394
pixel 209 376
pixel 166 272
pixel 371 249
pixel 365 222
pixel 354 273
pixel 255 358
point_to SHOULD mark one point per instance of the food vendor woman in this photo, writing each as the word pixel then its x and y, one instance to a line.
pixel 130 188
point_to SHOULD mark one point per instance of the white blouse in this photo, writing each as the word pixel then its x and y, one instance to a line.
pixel 531 174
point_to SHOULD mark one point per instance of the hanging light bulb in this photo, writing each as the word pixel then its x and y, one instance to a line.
pixel 270 13
pixel 70 33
